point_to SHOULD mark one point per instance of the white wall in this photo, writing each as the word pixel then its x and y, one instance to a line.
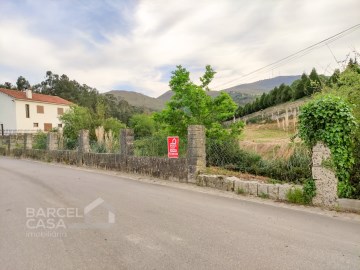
pixel 50 115
pixel 7 112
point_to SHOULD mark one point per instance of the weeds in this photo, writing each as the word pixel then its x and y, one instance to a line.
pixel 264 195
pixel 295 196
pixel 240 191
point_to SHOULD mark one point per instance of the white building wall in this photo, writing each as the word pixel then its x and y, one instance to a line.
pixel 7 112
pixel 50 115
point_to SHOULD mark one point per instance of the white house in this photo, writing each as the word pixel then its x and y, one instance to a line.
pixel 27 111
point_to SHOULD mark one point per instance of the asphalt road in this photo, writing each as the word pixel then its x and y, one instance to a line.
pixel 157 226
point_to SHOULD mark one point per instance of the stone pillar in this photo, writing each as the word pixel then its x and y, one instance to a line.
pixel 196 155
pixel 127 142
pixel 28 140
pixel 52 141
pixel 84 142
pixel 83 145
pixel 12 142
pixel 61 140
pixel 325 179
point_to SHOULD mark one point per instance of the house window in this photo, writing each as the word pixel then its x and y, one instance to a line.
pixel 27 110
pixel 47 127
pixel 40 109
pixel 36 124
pixel 60 111
pixel 60 125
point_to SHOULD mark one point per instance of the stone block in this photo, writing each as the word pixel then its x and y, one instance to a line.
pixel 228 184
pixel 263 190
pixel 283 190
pixel 349 205
pixel 242 185
pixel 200 180
pixel 253 188
pixel 273 192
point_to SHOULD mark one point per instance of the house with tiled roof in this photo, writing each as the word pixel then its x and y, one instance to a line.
pixel 25 111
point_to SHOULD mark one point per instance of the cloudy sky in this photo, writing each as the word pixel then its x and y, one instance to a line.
pixel 134 45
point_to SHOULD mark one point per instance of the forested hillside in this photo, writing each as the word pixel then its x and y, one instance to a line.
pixel 305 86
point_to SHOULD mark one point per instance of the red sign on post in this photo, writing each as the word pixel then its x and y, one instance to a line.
pixel 173 147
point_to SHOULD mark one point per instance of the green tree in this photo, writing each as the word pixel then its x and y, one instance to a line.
pixel 314 84
pixel 113 124
pixel 7 85
pixel 143 125
pixel 190 105
pixel 76 119
pixel 22 83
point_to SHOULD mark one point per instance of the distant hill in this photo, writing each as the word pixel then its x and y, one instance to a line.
pixel 239 98
pixel 262 86
pixel 168 94
pixel 139 100
pixel 241 94
pixel 245 93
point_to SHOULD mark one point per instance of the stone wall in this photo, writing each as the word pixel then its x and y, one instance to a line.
pixel 238 185
pixel 164 168
pixel 325 180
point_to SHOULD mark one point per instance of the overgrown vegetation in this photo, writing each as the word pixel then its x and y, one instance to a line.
pixel 304 196
pixel 329 119
pixel 295 196
pixel 228 154
pixel 190 105
pixel 309 190
pixel 39 140
pixel 78 118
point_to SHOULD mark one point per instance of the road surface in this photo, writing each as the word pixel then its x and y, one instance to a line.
pixel 157 226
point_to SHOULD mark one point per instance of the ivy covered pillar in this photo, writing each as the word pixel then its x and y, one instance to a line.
pixel 326 181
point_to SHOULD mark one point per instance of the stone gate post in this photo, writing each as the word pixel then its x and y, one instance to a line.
pixel 196 156
pixel 84 145
pixel 52 141
pixel 325 179
pixel 28 141
pixel 127 142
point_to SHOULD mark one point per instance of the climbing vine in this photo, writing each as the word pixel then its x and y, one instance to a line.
pixel 329 119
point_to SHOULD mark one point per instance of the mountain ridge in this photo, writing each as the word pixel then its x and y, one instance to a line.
pixel 241 94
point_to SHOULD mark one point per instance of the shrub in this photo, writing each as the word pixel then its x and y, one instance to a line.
pixel 228 154
pixel 295 196
pixel 309 190
pixel 40 139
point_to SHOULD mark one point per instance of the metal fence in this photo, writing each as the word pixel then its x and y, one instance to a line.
pixel 6 132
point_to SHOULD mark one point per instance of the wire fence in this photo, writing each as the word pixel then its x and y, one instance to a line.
pixel 157 146
pixel 7 132
pixel 227 154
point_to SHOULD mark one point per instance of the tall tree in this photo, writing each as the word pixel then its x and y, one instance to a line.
pixel 191 105
pixel 22 83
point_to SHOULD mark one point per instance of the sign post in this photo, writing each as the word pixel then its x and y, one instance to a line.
pixel 173 147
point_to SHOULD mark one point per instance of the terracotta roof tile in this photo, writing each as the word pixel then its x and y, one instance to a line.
pixel 35 97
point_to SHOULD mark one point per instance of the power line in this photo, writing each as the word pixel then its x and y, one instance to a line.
pixel 297 54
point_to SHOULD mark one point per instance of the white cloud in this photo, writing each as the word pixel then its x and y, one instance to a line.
pixel 236 37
